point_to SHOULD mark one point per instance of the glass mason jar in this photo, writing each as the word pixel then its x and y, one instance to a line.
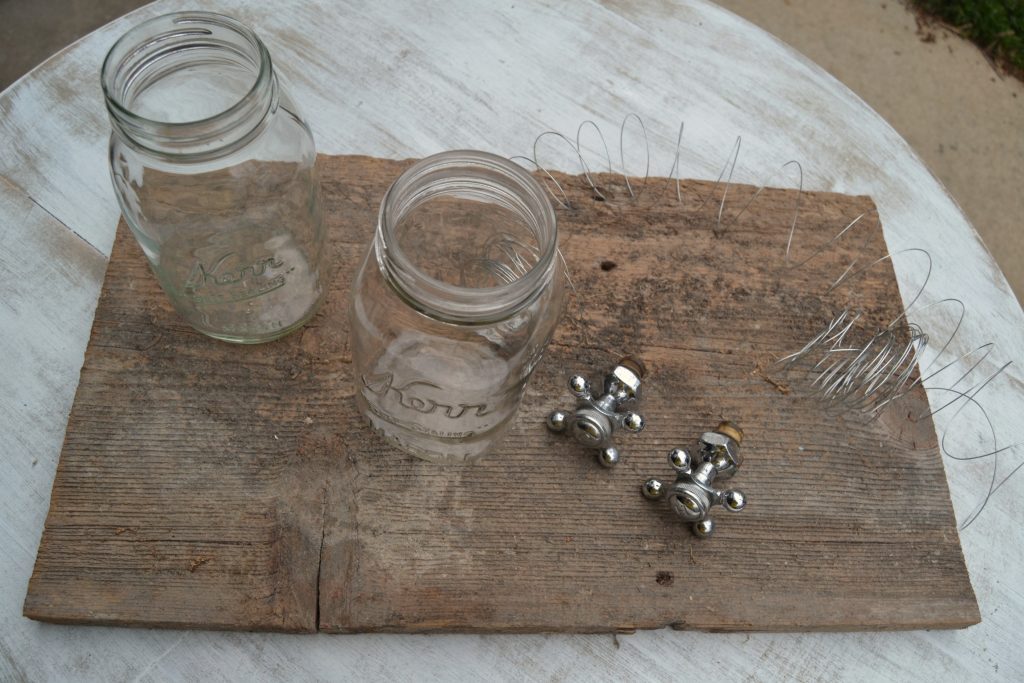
pixel 214 170
pixel 452 307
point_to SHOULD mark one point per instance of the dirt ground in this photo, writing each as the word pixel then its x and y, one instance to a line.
pixel 937 89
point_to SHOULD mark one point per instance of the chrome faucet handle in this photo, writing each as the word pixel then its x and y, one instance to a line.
pixel 596 418
pixel 692 495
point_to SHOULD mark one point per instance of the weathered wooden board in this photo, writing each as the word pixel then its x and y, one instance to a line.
pixel 214 486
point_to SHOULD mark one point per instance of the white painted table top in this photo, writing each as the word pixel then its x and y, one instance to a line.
pixel 401 81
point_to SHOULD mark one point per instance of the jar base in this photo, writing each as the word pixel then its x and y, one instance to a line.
pixel 269 337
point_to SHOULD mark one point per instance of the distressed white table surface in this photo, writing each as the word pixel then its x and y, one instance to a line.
pixel 410 80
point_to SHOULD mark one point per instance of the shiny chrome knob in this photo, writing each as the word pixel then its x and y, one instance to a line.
pixel 595 419
pixel 692 496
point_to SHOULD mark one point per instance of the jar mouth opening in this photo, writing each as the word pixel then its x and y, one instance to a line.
pixel 145 54
pixel 496 183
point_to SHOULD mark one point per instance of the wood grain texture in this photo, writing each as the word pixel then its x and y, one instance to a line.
pixel 533 67
pixel 216 486
pixel 183 496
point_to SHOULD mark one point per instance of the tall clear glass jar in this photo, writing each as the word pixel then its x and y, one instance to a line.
pixel 214 170
pixel 452 307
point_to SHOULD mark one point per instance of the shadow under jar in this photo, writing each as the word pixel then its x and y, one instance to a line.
pixel 454 304
pixel 214 170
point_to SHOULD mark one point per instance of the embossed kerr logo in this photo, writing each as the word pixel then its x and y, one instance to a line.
pixel 226 281
pixel 416 395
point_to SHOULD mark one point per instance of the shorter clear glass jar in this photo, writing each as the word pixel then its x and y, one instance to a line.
pixel 454 304
pixel 214 170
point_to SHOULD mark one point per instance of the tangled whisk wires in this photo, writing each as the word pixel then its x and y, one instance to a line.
pixel 865 376
pixel 504 259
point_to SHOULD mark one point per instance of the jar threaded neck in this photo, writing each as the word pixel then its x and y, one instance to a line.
pixel 478 177
pixel 188 84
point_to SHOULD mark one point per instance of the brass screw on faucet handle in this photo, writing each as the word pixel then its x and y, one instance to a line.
pixel 731 430
pixel 633 364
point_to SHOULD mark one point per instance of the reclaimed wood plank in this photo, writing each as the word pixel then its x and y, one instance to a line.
pixel 216 486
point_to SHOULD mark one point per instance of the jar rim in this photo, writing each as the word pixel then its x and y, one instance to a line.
pixel 152 32
pixel 455 303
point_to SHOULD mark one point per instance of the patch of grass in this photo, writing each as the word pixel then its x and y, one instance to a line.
pixel 996 26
